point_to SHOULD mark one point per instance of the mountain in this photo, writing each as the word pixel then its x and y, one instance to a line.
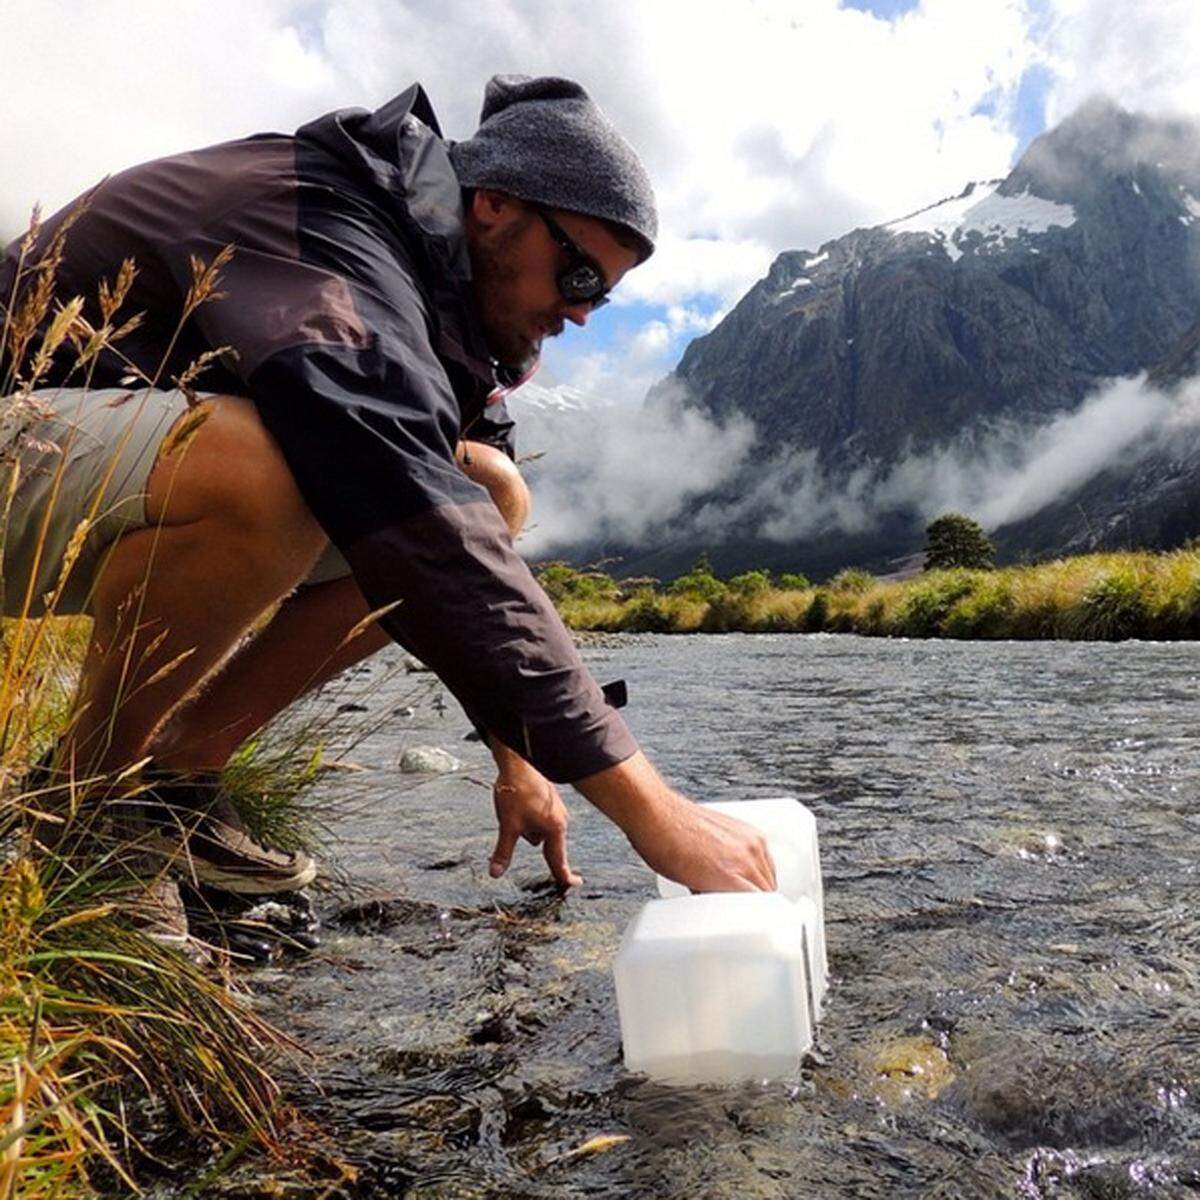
pixel 532 399
pixel 982 319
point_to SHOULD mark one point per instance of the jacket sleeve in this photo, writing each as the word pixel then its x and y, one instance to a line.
pixel 368 422
pixel 495 427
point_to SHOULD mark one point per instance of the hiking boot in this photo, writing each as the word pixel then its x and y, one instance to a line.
pixel 155 909
pixel 195 823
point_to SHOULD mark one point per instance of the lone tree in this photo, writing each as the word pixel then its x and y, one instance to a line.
pixel 957 541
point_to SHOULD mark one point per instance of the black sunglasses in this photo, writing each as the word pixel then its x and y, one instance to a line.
pixel 581 281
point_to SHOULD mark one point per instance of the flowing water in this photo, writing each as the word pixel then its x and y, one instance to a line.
pixel 1009 835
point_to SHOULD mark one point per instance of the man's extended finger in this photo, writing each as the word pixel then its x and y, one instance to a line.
pixel 555 853
pixel 506 841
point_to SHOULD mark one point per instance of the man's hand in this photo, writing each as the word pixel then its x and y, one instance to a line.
pixel 701 849
pixel 528 806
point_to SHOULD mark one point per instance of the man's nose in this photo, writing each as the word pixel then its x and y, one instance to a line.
pixel 578 314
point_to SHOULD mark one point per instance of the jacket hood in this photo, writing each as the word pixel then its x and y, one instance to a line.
pixel 399 150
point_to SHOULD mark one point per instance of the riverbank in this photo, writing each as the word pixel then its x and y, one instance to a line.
pixel 1097 597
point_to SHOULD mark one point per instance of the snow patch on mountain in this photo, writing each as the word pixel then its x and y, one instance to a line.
pixel 561 398
pixel 984 220
pixel 1193 207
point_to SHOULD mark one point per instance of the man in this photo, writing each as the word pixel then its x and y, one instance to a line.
pixel 348 457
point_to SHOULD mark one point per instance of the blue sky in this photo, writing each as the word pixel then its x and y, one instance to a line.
pixel 887 9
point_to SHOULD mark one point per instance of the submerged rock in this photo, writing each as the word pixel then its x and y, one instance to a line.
pixel 1031 844
pixel 428 760
pixel 911 1066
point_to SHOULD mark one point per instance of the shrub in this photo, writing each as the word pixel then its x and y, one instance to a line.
pixel 729 613
pixel 1113 607
pixel 794 581
pixel 560 580
pixel 817 616
pixel 928 604
pixel 699 581
pixel 986 612
pixel 629 587
pixel 646 613
pixel 749 583
pixel 874 616
pixel 852 579
pixel 1177 611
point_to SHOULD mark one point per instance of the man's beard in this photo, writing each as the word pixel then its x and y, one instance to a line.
pixel 493 272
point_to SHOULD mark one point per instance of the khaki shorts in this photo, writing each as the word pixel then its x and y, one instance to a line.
pixel 85 451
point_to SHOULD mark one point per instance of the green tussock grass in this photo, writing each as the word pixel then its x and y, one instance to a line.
pixel 1094 597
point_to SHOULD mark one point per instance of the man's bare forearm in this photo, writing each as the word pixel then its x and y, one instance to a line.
pixel 675 837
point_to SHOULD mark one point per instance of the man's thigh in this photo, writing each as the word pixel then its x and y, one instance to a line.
pixel 82 461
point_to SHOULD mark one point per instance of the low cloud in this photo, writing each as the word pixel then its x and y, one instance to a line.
pixel 617 473
pixel 1016 473
pixel 625 475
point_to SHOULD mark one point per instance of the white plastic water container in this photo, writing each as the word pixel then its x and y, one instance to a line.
pixel 717 988
pixel 791 832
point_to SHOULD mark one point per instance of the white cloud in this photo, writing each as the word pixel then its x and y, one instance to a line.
pixel 92 88
pixel 1143 55
pixel 684 267
pixel 1015 473
pixel 1005 474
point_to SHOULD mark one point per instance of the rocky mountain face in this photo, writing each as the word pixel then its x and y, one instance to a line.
pixel 1004 308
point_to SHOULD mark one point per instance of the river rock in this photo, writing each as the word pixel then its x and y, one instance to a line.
pixel 910 1066
pixel 428 760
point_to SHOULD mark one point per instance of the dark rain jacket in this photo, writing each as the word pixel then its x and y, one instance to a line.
pixel 349 315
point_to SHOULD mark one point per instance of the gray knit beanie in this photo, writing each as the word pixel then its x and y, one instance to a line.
pixel 546 141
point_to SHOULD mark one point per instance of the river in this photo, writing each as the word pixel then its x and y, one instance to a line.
pixel 1009 836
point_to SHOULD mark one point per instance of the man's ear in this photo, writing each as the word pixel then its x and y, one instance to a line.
pixel 489 208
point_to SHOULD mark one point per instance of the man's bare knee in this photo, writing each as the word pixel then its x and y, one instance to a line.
pixel 499 474
pixel 219 462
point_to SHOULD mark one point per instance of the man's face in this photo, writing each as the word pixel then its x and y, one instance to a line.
pixel 516 263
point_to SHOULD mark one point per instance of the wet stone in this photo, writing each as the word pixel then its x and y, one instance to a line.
pixel 1068 1175
pixel 380 913
pixel 428 760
